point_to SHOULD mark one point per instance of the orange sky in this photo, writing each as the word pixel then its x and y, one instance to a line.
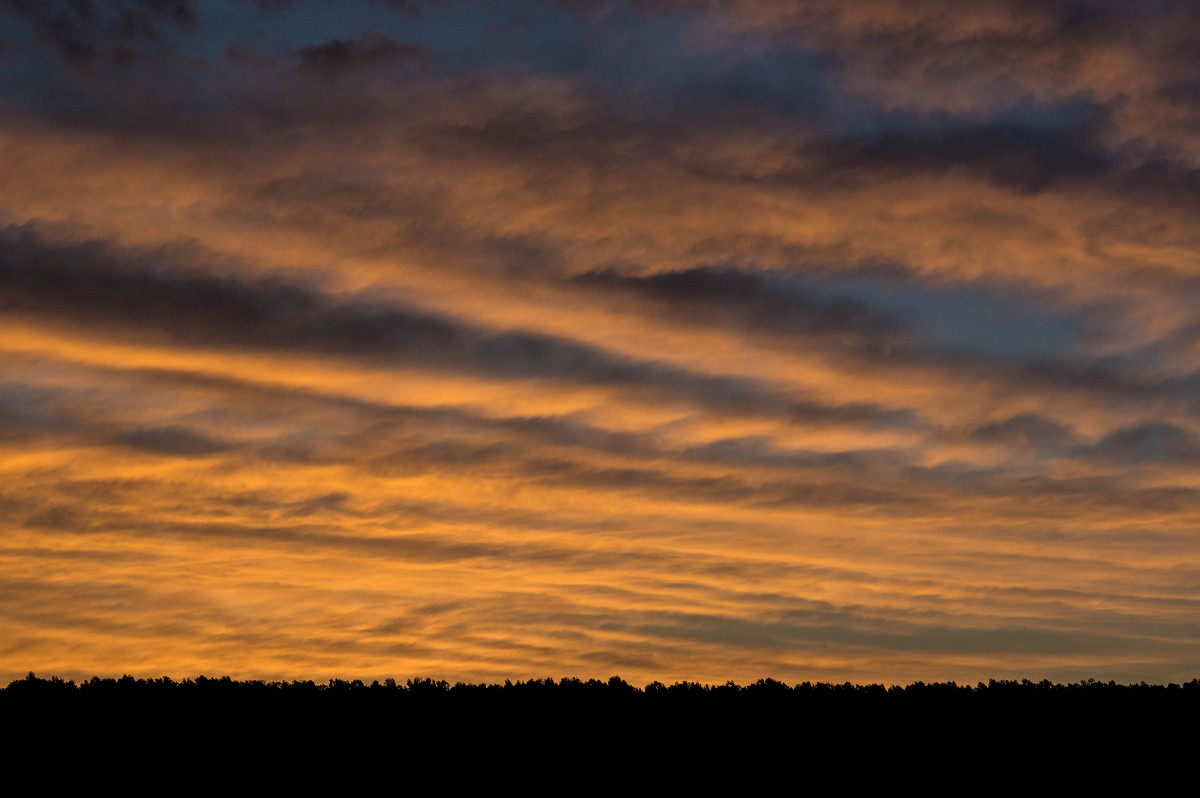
pixel 679 340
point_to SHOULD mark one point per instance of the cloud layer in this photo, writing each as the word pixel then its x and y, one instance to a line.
pixel 679 340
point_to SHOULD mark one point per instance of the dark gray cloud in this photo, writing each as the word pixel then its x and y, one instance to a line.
pixel 172 440
pixel 1026 158
pixel 85 31
pixel 268 6
pixel 410 8
pixel 1149 442
pixel 1027 430
pixel 755 300
pixel 372 52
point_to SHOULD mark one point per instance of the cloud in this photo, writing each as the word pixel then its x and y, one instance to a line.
pixel 757 301
pixel 839 339
pixel 1025 430
pixel 171 440
pixel 1026 158
pixel 269 6
pixel 86 31
pixel 1151 442
pixel 372 52
pixel 89 285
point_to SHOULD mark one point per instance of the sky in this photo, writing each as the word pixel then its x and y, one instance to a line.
pixel 671 339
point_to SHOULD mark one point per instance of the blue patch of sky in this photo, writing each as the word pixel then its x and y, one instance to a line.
pixel 31 77
pixel 964 319
pixel 463 36
pixel 1027 112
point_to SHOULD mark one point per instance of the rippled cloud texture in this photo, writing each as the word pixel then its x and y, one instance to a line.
pixel 807 339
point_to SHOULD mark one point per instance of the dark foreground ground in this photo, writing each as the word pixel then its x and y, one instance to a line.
pixel 593 736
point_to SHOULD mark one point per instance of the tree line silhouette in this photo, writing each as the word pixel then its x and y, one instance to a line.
pixel 995 698
pixel 614 688
pixel 560 734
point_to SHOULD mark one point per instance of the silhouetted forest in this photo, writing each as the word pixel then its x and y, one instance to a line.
pixel 534 703
pixel 555 736
pixel 614 690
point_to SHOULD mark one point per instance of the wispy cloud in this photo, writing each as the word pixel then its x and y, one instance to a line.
pixel 684 340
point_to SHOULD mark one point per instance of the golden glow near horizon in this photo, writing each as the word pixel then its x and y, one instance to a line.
pixel 842 341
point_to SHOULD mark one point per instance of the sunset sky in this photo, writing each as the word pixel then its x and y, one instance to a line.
pixel 674 339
